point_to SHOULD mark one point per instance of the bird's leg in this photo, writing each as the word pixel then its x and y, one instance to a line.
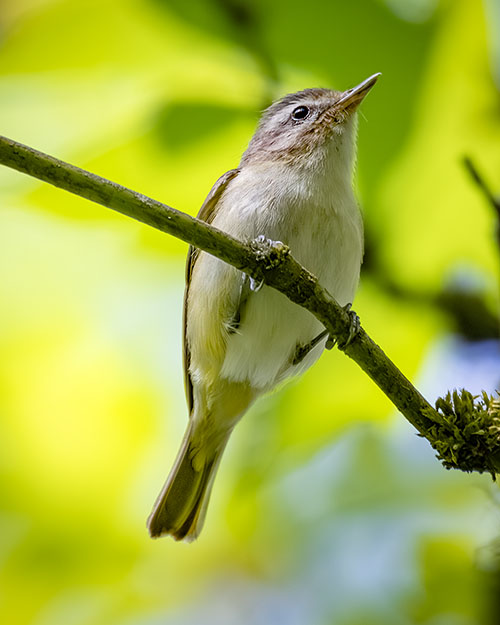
pixel 302 350
pixel 245 288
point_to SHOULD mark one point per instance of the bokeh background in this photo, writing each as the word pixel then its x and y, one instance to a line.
pixel 328 509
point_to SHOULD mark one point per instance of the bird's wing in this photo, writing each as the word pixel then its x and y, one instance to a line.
pixel 207 214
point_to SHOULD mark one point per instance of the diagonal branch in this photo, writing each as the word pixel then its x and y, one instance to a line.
pixel 481 183
pixel 271 262
pixel 492 199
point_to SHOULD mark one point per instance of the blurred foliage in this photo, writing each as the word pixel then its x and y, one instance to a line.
pixel 327 508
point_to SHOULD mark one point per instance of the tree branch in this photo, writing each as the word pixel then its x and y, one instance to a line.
pixel 493 200
pixel 272 263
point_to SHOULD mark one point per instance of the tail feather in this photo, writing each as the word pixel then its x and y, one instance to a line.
pixel 181 506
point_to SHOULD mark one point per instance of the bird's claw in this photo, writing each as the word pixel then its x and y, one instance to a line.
pixel 263 239
pixel 255 285
pixel 354 327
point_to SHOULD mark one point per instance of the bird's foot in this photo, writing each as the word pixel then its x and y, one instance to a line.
pixel 354 327
pixel 270 252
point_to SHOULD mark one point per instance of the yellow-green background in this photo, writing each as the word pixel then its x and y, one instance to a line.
pixel 327 508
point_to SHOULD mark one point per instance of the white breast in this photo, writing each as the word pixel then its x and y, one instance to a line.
pixel 318 218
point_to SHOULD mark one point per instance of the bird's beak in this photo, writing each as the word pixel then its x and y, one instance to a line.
pixel 350 99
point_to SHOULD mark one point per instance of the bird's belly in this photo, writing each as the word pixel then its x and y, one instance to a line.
pixel 262 349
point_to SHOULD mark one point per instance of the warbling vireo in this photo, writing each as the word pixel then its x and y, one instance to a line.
pixel 294 184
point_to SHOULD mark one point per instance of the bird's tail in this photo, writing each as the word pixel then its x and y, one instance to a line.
pixel 181 506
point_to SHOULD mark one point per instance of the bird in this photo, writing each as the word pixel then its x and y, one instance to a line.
pixel 294 184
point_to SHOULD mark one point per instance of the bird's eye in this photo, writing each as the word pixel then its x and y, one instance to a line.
pixel 301 112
